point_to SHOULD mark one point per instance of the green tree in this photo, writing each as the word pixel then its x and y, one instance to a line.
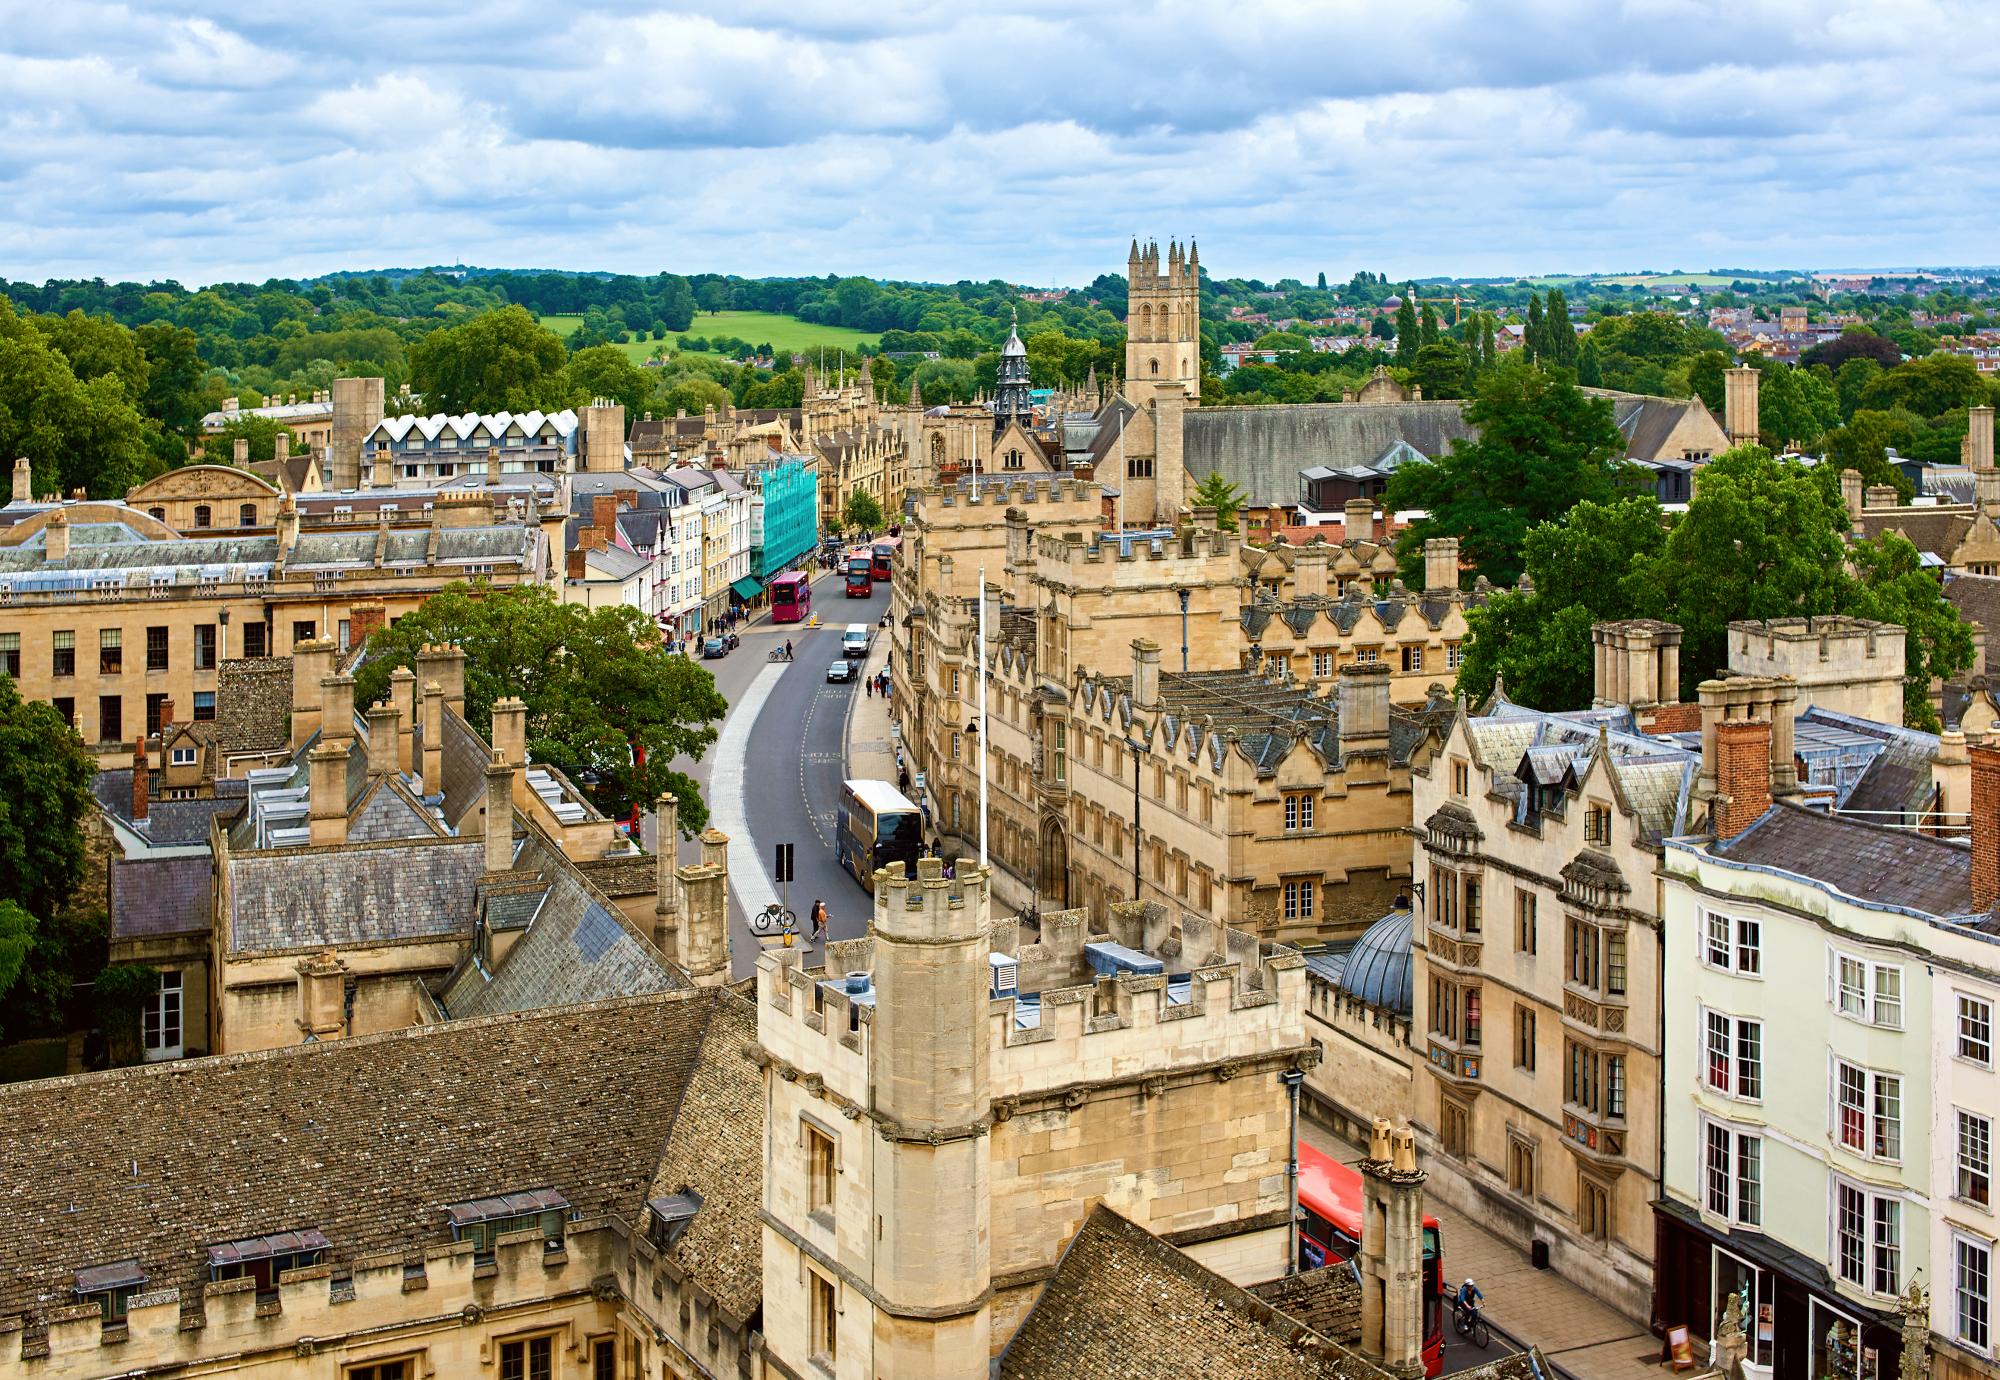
pixel 1892 586
pixel 1534 339
pixel 173 377
pixel 1409 338
pixel 1864 444
pixel 862 511
pixel 497 360
pixel 1705 373
pixel 1590 364
pixel 1543 447
pixel 1559 336
pixel 219 447
pixel 1440 370
pixel 1795 407
pixel 1927 387
pixel 606 371
pixel 606 704
pixel 1851 382
pixel 1215 491
pixel 79 433
pixel 45 776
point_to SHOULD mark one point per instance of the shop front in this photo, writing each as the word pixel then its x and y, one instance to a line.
pixel 1796 1325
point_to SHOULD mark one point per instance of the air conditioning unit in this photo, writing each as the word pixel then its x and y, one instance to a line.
pixel 1006 975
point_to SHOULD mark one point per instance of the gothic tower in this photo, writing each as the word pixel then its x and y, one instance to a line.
pixel 1163 321
pixel 1011 401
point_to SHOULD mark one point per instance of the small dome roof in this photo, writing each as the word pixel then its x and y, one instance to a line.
pixel 1392 303
pixel 1378 966
pixel 1014 345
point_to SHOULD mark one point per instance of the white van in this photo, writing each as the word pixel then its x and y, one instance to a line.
pixel 854 642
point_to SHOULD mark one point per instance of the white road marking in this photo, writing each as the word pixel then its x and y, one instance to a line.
pixel 747 877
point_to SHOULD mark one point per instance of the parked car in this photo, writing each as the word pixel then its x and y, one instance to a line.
pixel 842 670
pixel 714 649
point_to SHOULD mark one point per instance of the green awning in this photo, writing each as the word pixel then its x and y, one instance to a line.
pixel 747 588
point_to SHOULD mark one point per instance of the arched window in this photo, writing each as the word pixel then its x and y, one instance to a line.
pixel 157 514
pixel 1155 364
pixel 246 516
pixel 201 515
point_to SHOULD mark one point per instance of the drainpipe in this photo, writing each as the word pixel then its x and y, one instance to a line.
pixel 1292 1079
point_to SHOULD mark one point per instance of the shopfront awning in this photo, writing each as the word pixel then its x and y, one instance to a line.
pixel 747 588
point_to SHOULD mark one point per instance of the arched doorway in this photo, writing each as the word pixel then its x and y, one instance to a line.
pixel 1052 865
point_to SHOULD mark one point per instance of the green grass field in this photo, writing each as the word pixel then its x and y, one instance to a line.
pixel 786 334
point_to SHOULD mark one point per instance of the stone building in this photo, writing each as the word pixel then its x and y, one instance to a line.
pixel 948 1096
pixel 1960 537
pixel 108 613
pixel 1358 1010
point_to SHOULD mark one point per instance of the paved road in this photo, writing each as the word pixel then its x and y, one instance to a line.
pixel 774 775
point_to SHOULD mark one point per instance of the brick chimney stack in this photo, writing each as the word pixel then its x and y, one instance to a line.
pixel 281 446
pixel 1985 826
pixel 326 788
pixel 433 738
pixel 1851 492
pixel 382 740
pixel 24 480
pixel 403 696
pixel 500 814
pixel 666 893
pixel 1743 775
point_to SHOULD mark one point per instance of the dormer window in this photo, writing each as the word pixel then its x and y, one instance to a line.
pixel 266 1258
pixel 110 1286
pixel 483 1220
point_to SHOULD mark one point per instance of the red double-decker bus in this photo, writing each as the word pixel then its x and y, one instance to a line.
pixel 860 573
pixel 1331 1206
pixel 885 553
pixel 791 598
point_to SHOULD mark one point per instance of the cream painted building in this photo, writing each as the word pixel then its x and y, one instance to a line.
pixel 1830 1092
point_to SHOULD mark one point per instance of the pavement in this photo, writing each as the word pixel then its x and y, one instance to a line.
pixel 1584 1338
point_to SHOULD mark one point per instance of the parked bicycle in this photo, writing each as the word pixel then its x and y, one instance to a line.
pixel 775 918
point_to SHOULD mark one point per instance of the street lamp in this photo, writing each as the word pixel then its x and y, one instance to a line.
pixel 1135 748
pixel 1184 607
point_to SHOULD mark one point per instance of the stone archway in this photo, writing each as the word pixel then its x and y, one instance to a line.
pixel 1052 864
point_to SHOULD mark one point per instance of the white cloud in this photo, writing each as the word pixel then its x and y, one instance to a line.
pixel 905 138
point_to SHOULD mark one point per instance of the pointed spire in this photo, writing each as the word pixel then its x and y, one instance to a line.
pixel 1133 257
pixel 916 397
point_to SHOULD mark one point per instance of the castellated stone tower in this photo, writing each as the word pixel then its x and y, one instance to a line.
pixel 1162 321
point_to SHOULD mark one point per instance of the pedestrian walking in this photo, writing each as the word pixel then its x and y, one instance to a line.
pixel 903 780
pixel 818 922
pixel 871 687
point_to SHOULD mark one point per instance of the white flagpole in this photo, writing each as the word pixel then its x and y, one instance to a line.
pixel 982 716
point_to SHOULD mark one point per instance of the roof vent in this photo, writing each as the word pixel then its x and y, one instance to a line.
pixel 671 1216
pixel 1006 974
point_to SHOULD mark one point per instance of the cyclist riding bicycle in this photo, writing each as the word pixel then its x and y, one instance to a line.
pixel 1469 1297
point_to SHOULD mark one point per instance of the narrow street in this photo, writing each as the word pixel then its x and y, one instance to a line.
pixel 774 774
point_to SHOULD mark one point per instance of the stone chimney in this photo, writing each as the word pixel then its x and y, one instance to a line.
pixel 326 782
pixel 1145 673
pixel 603 438
pixel 1021 558
pixel 500 814
pixel 312 663
pixel 1851 494
pixel 381 470
pixel 510 730
pixel 1638 663
pixel 282 446
pixel 666 888
pixel 1743 775
pixel 1951 773
pixel 24 480
pixel 1739 404
pixel 382 740
pixel 142 785
pixel 1362 709
pixel 403 697
pixel 1392 1251
pixel 1879 496
pixel 239 452
pixel 1979 438
pixel 287 526
pixel 704 934
pixel 55 537
pixel 1360 523
pixel 1309 571
pixel 323 996
pixel 1985 826
pixel 1441 565
pixel 433 738
pixel 1771 699
pixel 444 666
pixel 492 467
pixel 336 708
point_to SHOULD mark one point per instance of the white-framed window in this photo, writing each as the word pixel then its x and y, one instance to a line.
pixel 1867 1238
pixel 1871 993
pixel 1299 900
pixel 183 756
pixel 1298 814
pixel 1868 1111
pixel 1733 1055
pixel 1734 1173
pixel 1452 656
pixel 1972 1292
pixel 1975 1029
pixel 1733 943
pixel 1974 1148
pixel 1322 664
pixel 160 1020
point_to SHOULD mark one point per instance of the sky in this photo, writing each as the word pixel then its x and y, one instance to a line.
pixel 1018 139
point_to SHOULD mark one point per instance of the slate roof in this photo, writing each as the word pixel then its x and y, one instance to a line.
pixel 159 896
pixel 1870 862
pixel 578 948
pixel 1871 766
pixel 169 823
pixel 1328 1301
pixel 253 704
pixel 1655 774
pixel 1263 449
pixel 1977 599
pixel 1123 1302
pixel 1936 530
pixel 1647 422
pixel 463 768
pixel 387 811
pixel 364 1140
pixel 288 898
pixel 716 1150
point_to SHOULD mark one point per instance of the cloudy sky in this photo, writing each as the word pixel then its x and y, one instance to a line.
pixel 1022 139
